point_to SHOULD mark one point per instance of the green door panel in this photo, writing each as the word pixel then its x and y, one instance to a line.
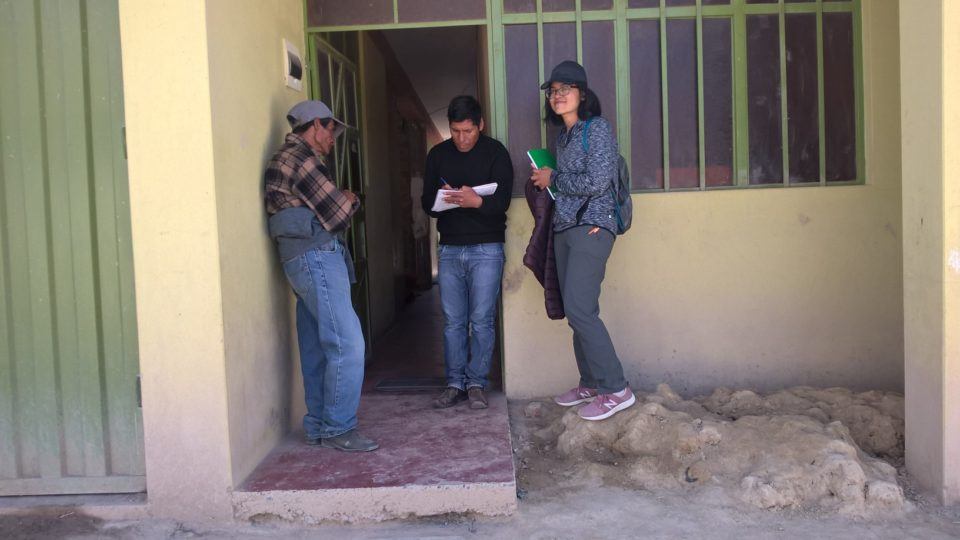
pixel 69 417
pixel 336 82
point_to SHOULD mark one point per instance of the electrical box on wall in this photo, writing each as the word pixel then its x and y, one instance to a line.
pixel 293 66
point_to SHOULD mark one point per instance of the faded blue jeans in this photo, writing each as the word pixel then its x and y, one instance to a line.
pixel 330 339
pixel 469 287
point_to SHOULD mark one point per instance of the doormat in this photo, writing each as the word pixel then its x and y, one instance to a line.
pixel 407 384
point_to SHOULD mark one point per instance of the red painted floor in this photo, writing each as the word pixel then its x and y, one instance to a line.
pixel 419 445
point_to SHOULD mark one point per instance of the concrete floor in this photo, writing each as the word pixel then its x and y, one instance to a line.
pixel 419 445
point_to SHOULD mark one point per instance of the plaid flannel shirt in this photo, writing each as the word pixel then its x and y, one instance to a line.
pixel 296 176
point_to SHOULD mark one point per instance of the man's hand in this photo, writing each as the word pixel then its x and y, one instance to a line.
pixel 465 197
pixel 351 196
pixel 541 177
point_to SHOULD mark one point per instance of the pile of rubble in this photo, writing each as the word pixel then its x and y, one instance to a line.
pixel 799 448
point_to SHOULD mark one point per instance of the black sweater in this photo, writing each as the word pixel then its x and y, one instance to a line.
pixel 488 161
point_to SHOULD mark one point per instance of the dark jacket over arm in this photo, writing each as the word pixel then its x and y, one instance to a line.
pixel 539 256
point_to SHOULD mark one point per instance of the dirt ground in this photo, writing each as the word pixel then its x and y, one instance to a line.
pixel 557 500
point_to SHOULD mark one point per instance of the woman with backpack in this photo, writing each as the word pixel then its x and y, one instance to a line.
pixel 585 222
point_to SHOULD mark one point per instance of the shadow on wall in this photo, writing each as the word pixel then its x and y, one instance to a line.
pixel 282 300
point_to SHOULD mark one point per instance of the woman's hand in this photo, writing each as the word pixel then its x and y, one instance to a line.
pixel 541 177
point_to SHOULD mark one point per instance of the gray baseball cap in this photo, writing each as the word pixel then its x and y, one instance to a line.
pixel 307 111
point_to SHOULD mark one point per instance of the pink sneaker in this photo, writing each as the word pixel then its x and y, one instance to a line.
pixel 575 396
pixel 607 405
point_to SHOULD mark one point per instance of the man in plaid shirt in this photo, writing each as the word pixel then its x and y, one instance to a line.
pixel 307 217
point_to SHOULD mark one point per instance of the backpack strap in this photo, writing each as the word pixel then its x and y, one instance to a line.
pixel 584 143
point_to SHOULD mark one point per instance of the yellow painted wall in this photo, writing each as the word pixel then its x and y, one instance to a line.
pixel 923 268
pixel 951 175
pixel 176 250
pixel 249 102
pixel 206 107
pixel 748 288
pixel 930 77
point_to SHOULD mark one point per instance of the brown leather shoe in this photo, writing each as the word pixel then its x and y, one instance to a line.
pixel 449 397
pixel 477 399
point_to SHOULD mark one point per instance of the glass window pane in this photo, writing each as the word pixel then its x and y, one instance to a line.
pixel 716 2
pixel 339 12
pixel 718 102
pixel 643 3
pixel 839 97
pixel 761 1
pixel 559 5
pixel 763 95
pixel 682 102
pixel 440 10
pixel 519 6
pixel 559 44
pixel 672 3
pixel 599 63
pixel 646 129
pixel 524 99
pixel 802 111
pixel 789 1
pixel 596 4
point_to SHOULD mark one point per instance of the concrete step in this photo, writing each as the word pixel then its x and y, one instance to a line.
pixel 430 462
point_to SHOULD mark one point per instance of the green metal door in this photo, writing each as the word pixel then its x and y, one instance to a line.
pixel 69 415
pixel 335 81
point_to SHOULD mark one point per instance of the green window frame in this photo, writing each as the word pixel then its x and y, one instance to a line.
pixel 621 14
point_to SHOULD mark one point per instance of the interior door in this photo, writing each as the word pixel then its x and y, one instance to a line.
pixel 335 82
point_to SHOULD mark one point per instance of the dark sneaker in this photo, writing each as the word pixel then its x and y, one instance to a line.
pixel 449 397
pixel 477 399
pixel 350 441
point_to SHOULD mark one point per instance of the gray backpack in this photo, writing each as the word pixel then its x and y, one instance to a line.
pixel 620 187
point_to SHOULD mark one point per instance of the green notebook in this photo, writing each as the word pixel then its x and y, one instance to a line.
pixel 541 157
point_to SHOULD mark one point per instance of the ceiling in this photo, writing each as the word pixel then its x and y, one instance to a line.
pixel 440 62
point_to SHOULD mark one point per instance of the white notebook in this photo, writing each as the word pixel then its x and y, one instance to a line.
pixel 440 206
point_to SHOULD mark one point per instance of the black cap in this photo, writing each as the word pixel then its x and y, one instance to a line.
pixel 568 72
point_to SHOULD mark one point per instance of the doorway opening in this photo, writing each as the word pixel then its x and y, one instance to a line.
pixel 400 82
pixel 409 78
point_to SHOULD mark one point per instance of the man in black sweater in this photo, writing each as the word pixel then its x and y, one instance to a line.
pixel 471 246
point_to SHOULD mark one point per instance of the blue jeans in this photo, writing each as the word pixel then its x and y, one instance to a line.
pixel 469 287
pixel 330 339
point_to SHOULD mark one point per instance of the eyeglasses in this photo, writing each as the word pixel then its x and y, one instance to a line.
pixel 559 91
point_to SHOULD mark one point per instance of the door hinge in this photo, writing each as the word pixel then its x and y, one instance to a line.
pixel 123 140
pixel 139 393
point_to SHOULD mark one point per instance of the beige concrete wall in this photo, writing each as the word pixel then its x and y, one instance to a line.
pixel 249 102
pixel 951 175
pixel 749 288
pixel 930 51
pixel 923 236
pixel 377 181
pixel 176 251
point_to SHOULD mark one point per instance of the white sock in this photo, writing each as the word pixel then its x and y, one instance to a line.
pixel 622 392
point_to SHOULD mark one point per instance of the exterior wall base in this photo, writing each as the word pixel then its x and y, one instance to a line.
pixel 375 504
pixel 105 507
